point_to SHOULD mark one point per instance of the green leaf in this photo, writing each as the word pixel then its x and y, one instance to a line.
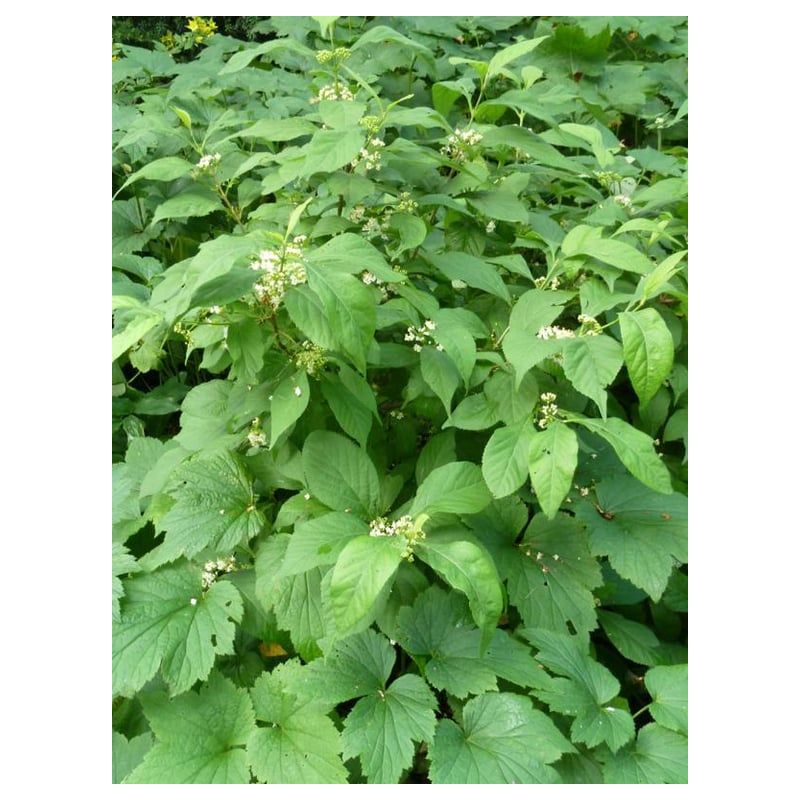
pixel 642 533
pixel 505 459
pixel 635 641
pixel 593 138
pixel 499 205
pixel 349 309
pixel 472 271
pixel 364 568
pixel 192 203
pixel 277 130
pixel 473 413
pixel 456 488
pixel 651 284
pixel 354 418
pixel 439 450
pixel 161 627
pixel 133 332
pixel 454 336
pixel 552 460
pixel 299 744
pixel 669 688
pixel 591 363
pixel 588 241
pixel 440 373
pixel 128 754
pixel 502 740
pixel 318 542
pixel 122 563
pixel 162 169
pixel 246 347
pixel 469 568
pixel 199 736
pixel 659 756
pixel 511 53
pixel 648 349
pixel 351 253
pixel 341 113
pixel 551 575
pixel 382 728
pixel 635 450
pixel 340 474
pixel 330 150
pixel 243 58
pixel 411 230
pixel 289 401
pixel 214 509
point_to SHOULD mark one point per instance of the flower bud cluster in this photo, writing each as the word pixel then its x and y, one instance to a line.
pixel 589 325
pixel 555 332
pixel 548 410
pixel 406 204
pixel 213 569
pixel 370 156
pixel 279 272
pixel 460 143
pixel 422 335
pixel 404 526
pixel 333 91
pixel 543 283
pixel 310 357
pixel 256 436
pixel 490 226
pixel 338 55
pixel 208 163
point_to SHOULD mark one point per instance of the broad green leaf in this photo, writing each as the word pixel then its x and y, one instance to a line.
pixel 439 450
pixel 454 336
pixel 499 205
pixel 192 203
pixel 341 113
pixel 472 271
pixel 505 459
pixel 246 346
pixel 668 686
pixel 214 510
pixel 411 230
pixel 160 626
pixel 128 754
pixel 243 58
pixel 440 373
pixel 648 349
pixel 642 533
pixel 514 400
pixel 318 542
pixel 591 363
pixel 364 568
pixel 552 460
pixel 122 563
pixel 349 309
pixel 473 413
pixel 551 575
pixel 470 569
pixel 331 150
pixel 586 240
pixel 133 332
pixel 354 418
pixel 635 641
pixel 277 130
pixel 511 53
pixel 199 736
pixel 289 401
pixel 651 284
pixel 456 488
pixel 382 728
pixel 162 169
pixel 351 253
pixel 659 756
pixel 341 474
pixel 502 739
pixel 635 450
pixel 298 744
pixel 593 138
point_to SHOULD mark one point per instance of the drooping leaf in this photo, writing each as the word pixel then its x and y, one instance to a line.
pixel 648 349
pixel 591 363
pixel 505 459
pixel 289 401
pixel 455 488
pixel 668 686
pixel 552 460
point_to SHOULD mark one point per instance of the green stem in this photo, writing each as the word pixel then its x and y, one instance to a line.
pixel 642 709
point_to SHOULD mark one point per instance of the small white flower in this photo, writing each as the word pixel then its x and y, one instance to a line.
pixel 222 511
pixel 193 601
pixel 297 391
pixel 490 226
pixel 307 496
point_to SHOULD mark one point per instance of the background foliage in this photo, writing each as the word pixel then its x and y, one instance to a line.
pixel 400 400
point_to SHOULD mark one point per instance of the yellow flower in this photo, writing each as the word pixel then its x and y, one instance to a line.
pixel 201 28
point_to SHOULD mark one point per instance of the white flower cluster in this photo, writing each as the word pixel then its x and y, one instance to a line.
pixel 542 283
pixel 255 436
pixel 422 335
pixel 490 226
pixel 548 410
pixel 459 144
pixel 311 358
pixel 395 413
pixel 208 163
pixel 213 569
pixel 555 332
pixel 333 91
pixel 589 325
pixel 280 272
pixel 370 156
pixel 400 527
pixel 357 214
pixel 622 200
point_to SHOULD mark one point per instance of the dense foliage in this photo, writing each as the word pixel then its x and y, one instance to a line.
pixel 400 402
